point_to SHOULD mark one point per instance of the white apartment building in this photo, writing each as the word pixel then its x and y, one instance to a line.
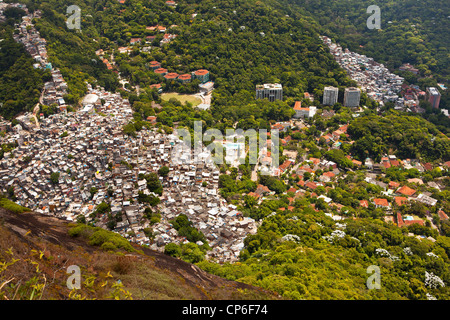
pixel 351 97
pixel 271 91
pixel 330 96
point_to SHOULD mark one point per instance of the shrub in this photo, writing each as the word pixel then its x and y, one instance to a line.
pixel 11 206
pixel 172 250
pixel 108 246
pixel 107 240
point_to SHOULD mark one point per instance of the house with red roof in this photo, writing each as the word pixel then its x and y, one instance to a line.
pixel 400 222
pixel 364 203
pixel 134 41
pixel 156 86
pixel 311 185
pixel 283 167
pixel 395 163
pixel 171 3
pixel 154 65
pixel 406 191
pixel 281 126
pixel 314 160
pixel 185 78
pixel 202 75
pixel 151 119
pixel 344 128
pixel 171 76
pixel 327 138
pixel 161 71
pixel 261 189
pixel 407 222
pixel 301 112
pixel 393 185
pixel 327 176
pixel 254 195
pixel 399 201
pixel 381 203
pixel 442 215
pixel 292 189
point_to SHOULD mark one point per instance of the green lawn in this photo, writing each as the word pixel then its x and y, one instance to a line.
pixel 182 98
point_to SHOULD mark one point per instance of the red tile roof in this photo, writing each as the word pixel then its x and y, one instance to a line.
pixel 393 185
pixel 201 72
pixel 298 105
pixel 381 202
pixel 185 76
pixel 311 185
pixel 161 70
pixel 292 189
pixel 395 163
pixel 410 222
pixel 405 190
pixel 254 195
pixel 285 165
pixel 171 75
pixel 442 215
pixel 262 189
pixel 400 200
pixel 400 222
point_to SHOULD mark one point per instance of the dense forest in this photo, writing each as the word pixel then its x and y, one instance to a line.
pixel 307 255
pixel 409 136
pixel 414 32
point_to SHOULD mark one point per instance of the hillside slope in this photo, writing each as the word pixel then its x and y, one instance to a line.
pixel 36 251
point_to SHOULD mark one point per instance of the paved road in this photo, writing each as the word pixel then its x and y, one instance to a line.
pixel 36 109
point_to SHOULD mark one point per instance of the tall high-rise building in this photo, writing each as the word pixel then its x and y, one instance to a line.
pixel 351 97
pixel 271 91
pixel 330 96
pixel 434 97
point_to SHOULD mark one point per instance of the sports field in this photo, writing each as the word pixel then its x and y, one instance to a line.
pixel 182 98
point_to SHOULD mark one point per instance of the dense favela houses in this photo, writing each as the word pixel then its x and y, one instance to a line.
pixel 69 163
pixel 372 77
pixel 87 150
